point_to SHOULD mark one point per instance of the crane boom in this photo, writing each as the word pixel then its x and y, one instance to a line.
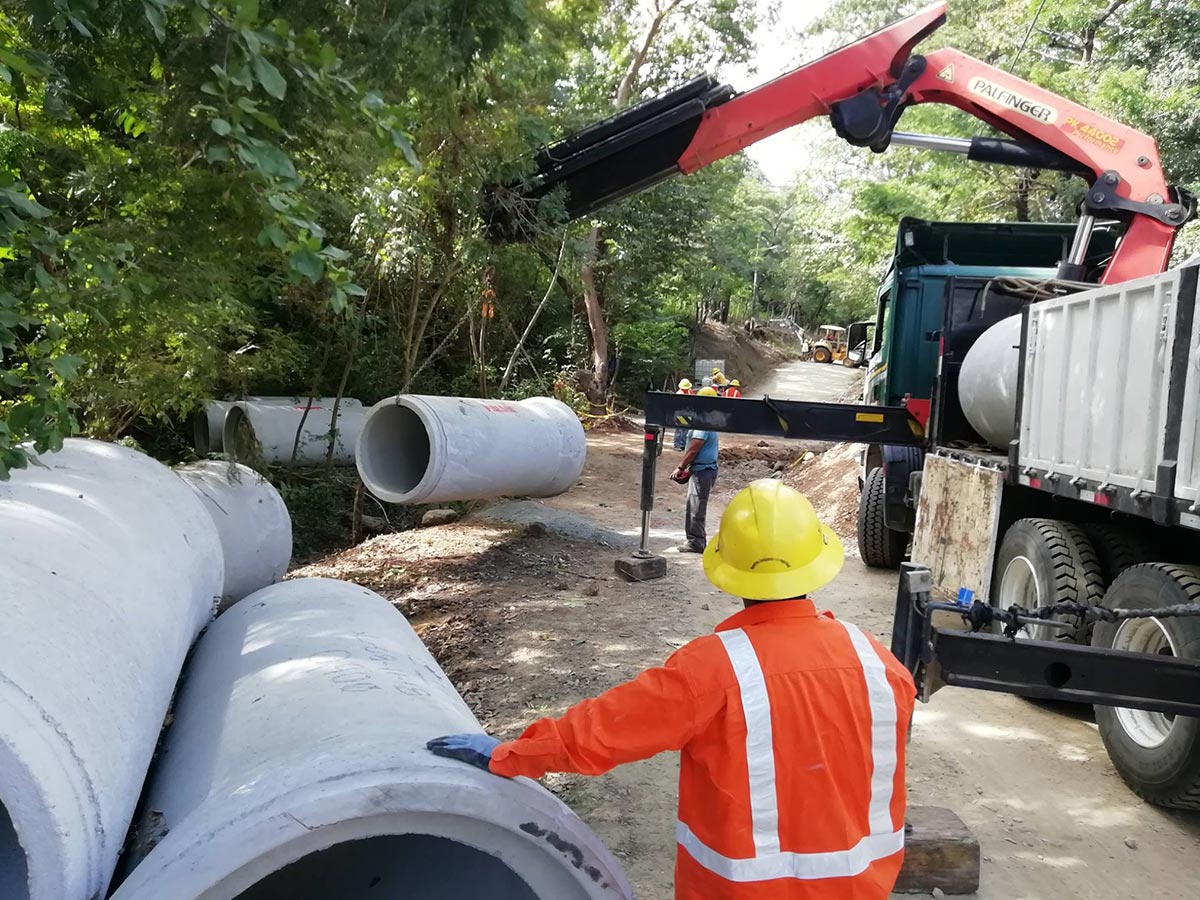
pixel 864 88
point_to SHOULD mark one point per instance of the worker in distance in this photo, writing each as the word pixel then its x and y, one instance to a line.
pixel 791 725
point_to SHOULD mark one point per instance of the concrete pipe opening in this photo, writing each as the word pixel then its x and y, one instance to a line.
pixel 414 866
pixel 394 450
pixel 14 870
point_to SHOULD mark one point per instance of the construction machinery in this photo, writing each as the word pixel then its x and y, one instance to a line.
pixel 829 344
pixel 1053 498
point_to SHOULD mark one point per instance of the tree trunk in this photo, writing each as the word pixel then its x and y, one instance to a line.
pixel 597 388
pixel 512 360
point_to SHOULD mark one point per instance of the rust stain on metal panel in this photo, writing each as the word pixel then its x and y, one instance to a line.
pixel 957 516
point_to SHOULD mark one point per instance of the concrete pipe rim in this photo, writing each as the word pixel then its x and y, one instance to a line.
pixel 33 822
pixel 237 423
pixel 401 477
pixel 314 819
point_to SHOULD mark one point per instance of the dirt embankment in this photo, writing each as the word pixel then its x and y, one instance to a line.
pixel 749 360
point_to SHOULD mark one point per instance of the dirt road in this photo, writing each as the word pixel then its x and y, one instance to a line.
pixel 528 619
pixel 826 382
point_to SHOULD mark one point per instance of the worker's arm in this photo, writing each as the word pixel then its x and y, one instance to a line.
pixel 659 710
pixel 689 455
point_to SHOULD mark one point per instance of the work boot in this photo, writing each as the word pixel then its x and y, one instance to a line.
pixel 689 548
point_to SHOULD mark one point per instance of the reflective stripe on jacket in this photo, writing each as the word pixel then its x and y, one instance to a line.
pixel 792 728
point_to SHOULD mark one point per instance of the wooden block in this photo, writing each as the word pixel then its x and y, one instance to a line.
pixel 939 851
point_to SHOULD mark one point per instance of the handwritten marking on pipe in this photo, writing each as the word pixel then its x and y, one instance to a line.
pixel 564 847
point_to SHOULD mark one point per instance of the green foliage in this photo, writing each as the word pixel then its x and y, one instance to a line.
pixel 204 198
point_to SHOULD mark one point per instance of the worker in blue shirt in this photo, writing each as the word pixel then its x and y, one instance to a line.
pixel 700 459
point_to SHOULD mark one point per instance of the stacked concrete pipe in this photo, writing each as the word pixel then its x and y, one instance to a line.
pixel 266 430
pixel 296 768
pixel 252 522
pixel 208 425
pixel 112 565
pixel 419 449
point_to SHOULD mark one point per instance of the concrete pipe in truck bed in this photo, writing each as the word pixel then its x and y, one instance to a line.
pixel 987 382
pixel 252 522
pixel 257 430
pixel 296 768
pixel 419 449
pixel 208 423
pixel 110 569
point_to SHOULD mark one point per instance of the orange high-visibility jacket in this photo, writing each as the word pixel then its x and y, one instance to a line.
pixel 792 730
pixel 733 392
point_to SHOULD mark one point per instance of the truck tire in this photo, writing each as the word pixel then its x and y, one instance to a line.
pixel 1118 548
pixel 1043 562
pixel 822 355
pixel 1157 755
pixel 879 546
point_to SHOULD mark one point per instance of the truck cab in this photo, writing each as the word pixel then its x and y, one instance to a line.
pixel 935 263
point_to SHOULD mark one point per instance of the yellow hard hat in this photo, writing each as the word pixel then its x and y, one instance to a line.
pixel 736 383
pixel 770 545
pixel 707 392
pixel 716 370
pixel 684 384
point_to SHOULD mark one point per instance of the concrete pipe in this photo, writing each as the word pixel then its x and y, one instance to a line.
pixel 296 768
pixel 987 382
pixel 252 521
pixel 111 567
pixel 417 449
pixel 208 424
pixel 257 431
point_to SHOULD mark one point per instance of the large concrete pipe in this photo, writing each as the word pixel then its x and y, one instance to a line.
pixel 252 521
pixel 418 449
pixel 110 569
pixel 987 382
pixel 296 768
pixel 255 430
pixel 208 424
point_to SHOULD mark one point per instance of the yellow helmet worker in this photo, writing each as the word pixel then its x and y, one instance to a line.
pixel 685 386
pixel 707 391
pixel 719 377
pixel 771 546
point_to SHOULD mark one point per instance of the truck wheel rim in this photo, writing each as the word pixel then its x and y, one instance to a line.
pixel 1019 586
pixel 1146 729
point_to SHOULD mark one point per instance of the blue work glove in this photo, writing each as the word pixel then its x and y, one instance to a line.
pixel 475 749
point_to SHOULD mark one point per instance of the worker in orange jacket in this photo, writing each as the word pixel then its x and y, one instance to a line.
pixel 791 726
pixel 734 390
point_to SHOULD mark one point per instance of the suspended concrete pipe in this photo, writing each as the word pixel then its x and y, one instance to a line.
pixel 256 431
pixel 252 522
pixel 987 382
pixel 296 768
pixel 110 569
pixel 208 424
pixel 418 449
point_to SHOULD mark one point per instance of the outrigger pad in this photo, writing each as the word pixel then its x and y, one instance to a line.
pixel 641 568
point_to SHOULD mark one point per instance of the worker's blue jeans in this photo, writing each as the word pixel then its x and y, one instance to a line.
pixel 700 485
pixel 681 435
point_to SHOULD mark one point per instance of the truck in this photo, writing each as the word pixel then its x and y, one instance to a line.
pixel 936 264
pixel 1061 480
pixel 1030 418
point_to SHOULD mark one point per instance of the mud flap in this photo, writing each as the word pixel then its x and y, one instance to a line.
pixel 899 464
pixel 957 525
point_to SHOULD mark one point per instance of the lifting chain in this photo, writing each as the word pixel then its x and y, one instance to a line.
pixel 980 615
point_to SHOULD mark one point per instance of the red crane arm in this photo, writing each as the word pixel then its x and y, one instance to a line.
pixel 877 76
